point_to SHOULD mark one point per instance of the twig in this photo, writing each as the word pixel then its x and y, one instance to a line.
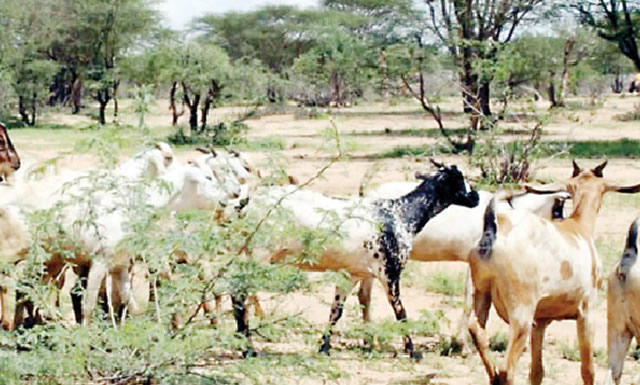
pixel 249 238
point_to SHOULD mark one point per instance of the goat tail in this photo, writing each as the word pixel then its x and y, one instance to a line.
pixel 630 252
pixel 489 230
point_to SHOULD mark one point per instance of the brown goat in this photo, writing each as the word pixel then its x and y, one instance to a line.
pixel 536 271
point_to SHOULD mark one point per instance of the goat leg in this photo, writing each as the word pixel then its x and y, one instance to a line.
pixel 537 340
pixel 364 297
pixel 334 317
pixel 393 295
pixel 585 344
pixel 238 300
pixel 462 335
pixel 479 334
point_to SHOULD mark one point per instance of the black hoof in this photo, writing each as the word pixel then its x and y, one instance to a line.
pixel 416 355
pixel 249 353
pixel 324 350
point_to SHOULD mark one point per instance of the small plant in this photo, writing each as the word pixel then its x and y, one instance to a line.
pixel 570 352
pixel 446 283
pixel 449 346
pixel 499 342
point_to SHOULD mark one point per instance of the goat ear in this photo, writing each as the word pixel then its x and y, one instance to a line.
pixel 598 170
pixel 157 145
pixel 576 169
pixel 435 163
pixel 235 153
pixel 546 189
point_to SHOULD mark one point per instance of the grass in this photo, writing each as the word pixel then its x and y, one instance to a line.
pixel 621 148
pixel 443 282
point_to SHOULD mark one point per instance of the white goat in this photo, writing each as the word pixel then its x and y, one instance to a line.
pixel 623 307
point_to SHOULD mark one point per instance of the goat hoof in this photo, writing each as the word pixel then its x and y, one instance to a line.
pixel 416 355
pixel 249 353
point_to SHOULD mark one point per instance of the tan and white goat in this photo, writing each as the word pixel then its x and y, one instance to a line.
pixel 623 307
pixel 536 271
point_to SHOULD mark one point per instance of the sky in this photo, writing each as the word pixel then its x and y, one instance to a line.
pixel 178 13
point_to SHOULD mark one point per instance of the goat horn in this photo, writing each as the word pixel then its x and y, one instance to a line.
pixel 436 163
pixel 576 169
pixel 624 189
pixel 545 189
pixel 203 150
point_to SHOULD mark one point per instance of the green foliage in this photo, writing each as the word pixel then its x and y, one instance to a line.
pixel 499 342
pixel 446 283
pixel 384 334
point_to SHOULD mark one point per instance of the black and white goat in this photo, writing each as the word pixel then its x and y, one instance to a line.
pixel 373 238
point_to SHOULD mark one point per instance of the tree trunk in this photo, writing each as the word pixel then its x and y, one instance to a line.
pixel 568 47
pixel 22 110
pixel 208 100
pixel 335 88
pixel 172 104
pixel 192 105
pixel 384 82
pixel 551 91
pixel 484 102
pixel 33 109
pixel 103 99
pixel 116 84
pixel 76 94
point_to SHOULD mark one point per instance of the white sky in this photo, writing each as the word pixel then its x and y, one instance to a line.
pixel 178 13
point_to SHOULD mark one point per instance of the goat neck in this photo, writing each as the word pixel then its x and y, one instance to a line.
pixel 432 196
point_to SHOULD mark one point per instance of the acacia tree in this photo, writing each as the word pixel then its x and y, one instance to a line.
pixel 92 36
pixel 473 31
pixel 26 30
pixel 615 21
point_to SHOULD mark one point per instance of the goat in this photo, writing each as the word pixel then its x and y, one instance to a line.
pixel 623 312
pixel 536 271
pixel 453 233
pixel 9 158
pixel 376 235
pixel 192 189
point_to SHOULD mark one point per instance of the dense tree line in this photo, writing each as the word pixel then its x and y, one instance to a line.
pixel 71 52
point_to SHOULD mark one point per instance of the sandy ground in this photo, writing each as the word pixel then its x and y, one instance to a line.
pixel 343 179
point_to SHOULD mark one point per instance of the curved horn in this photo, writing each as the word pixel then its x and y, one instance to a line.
pixel 435 163
pixel 576 169
pixel 203 150
pixel 546 189
pixel 624 189
pixel 598 170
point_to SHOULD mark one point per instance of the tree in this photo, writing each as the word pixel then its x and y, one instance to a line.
pixel 615 21
pixel 473 31
pixel 27 27
pixel 91 38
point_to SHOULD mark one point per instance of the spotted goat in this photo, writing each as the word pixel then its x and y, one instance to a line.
pixel 373 238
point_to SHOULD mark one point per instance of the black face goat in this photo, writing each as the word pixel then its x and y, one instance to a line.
pixel 375 237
